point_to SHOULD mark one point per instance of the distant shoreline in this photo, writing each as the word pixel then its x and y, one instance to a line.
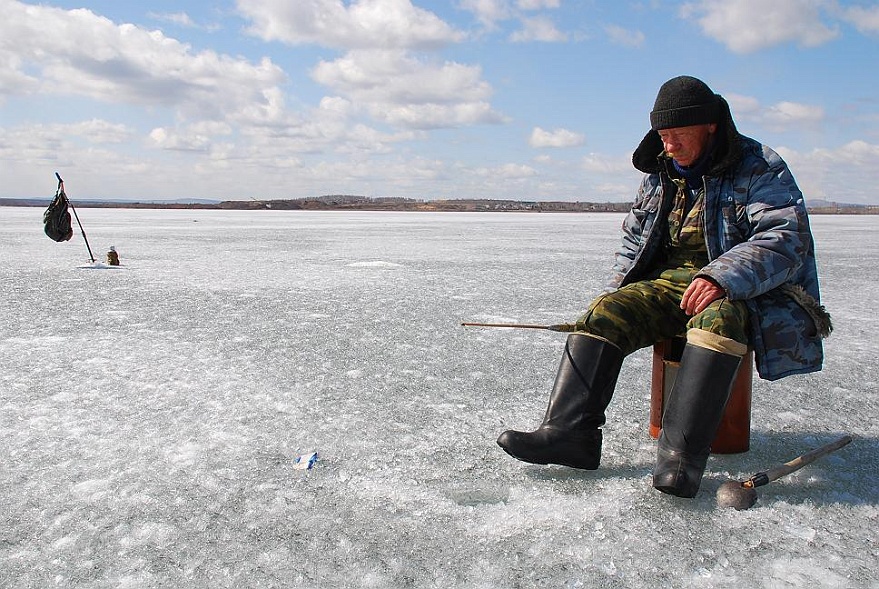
pixel 362 203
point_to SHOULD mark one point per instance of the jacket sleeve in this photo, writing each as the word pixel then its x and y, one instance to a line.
pixel 639 217
pixel 777 239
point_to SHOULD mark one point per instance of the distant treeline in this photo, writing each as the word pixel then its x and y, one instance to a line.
pixel 344 202
pixel 362 203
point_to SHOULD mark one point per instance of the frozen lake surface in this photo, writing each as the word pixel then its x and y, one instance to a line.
pixel 150 415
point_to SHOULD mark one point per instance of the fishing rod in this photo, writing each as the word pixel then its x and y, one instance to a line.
pixel 562 327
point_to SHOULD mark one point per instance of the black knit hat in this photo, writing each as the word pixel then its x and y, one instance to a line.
pixel 684 101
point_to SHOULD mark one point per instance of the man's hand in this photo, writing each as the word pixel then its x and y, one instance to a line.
pixel 701 293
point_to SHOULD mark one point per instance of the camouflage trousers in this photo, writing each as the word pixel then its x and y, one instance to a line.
pixel 645 312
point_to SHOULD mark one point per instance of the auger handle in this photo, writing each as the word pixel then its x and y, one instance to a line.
pixel 764 478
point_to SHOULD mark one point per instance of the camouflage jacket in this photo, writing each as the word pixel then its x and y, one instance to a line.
pixel 759 245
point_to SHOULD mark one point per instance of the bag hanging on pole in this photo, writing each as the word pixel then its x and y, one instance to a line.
pixel 57 216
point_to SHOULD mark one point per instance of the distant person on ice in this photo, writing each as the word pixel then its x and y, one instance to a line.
pixel 717 246
pixel 112 256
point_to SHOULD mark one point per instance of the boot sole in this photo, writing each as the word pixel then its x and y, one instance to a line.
pixel 675 491
pixel 531 460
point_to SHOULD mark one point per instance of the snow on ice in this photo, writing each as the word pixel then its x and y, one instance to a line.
pixel 150 418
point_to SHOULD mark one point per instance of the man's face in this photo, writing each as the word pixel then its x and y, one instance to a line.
pixel 686 144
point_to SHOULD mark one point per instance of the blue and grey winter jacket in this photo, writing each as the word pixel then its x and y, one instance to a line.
pixel 759 243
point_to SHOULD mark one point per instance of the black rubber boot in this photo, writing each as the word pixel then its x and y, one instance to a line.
pixel 691 417
pixel 584 385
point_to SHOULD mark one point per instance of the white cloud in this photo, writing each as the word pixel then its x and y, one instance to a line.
pixel 784 115
pixel 98 131
pixel 856 153
pixel 400 89
pixel 845 174
pixel 533 28
pixel 378 75
pixel 195 137
pixel 182 19
pixel 862 153
pixel 91 56
pixel 624 37
pixel 178 18
pixel 331 127
pixel 167 139
pixel 596 163
pixel 864 19
pixel 537 4
pixel 54 137
pixel 616 191
pixel 507 172
pixel 363 24
pixel 793 113
pixel 555 138
pixel 228 121
pixel 269 108
pixel 743 106
pixel 13 78
pixel 745 26
pixel 208 93
pixel 28 153
pixel 488 12
pixel 436 116
pixel 395 77
pixel 538 29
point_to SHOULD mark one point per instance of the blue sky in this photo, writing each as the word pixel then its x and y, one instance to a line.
pixel 523 99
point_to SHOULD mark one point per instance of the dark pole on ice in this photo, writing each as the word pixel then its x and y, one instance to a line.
pixel 70 204
pixel 563 327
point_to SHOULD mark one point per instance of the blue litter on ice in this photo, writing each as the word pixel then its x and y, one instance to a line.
pixel 305 461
